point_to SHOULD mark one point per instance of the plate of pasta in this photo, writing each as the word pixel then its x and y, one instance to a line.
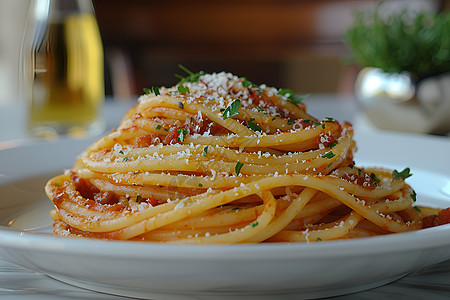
pixel 220 187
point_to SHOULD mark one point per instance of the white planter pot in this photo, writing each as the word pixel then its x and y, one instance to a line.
pixel 395 102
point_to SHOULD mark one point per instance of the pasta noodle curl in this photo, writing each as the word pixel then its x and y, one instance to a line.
pixel 218 159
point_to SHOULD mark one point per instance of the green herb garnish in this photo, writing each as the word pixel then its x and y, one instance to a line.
pixel 238 167
pixel 246 83
pixel 290 94
pixel 205 150
pixel 254 224
pixel 125 159
pixel 253 126
pixel 158 127
pixel 154 90
pixel 401 175
pixel 414 196
pixel 181 134
pixel 232 109
pixel 258 108
pixel 329 154
pixel 191 77
pixel 332 144
pixel 138 198
pixel 183 89
pixel 375 179
pixel 417 208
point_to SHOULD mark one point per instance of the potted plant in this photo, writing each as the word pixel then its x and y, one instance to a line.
pixel 404 82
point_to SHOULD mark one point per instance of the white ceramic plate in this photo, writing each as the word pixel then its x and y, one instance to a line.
pixel 160 271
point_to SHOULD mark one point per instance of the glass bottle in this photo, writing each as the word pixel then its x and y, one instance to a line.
pixel 62 70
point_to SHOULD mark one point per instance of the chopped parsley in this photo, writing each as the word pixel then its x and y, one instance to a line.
pixel 121 152
pixel 254 224
pixel 158 127
pixel 153 89
pixel 319 239
pixel 290 122
pixel 181 134
pixel 182 90
pixel 375 179
pixel 414 196
pixel 258 108
pixel 418 208
pixel 252 125
pixel 246 83
pixel 125 159
pixel 401 175
pixel 318 124
pixel 191 77
pixel 138 198
pixel 232 109
pixel 332 144
pixel 200 185
pixel 205 150
pixel 329 154
pixel 290 94
pixel 238 167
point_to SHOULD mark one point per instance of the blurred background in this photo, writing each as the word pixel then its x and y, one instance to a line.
pixel 283 43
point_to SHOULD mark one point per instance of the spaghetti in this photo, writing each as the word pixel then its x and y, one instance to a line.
pixel 218 159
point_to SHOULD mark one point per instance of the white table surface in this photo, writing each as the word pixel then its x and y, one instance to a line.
pixel 18 283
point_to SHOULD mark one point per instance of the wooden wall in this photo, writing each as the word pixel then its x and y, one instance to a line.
pixel 284 43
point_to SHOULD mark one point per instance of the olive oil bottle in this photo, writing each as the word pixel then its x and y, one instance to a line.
pixel 63 69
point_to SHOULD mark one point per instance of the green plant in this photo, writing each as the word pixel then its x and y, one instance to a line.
pixel 419 44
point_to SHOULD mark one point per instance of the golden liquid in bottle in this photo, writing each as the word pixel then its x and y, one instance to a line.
pixel 68 84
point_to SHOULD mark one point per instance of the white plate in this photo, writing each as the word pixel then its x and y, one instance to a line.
pixel 160 271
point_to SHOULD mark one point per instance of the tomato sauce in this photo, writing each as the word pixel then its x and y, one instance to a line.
pixel 94 196
pixel 435 220
pixel 193 125
pixel 363 179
